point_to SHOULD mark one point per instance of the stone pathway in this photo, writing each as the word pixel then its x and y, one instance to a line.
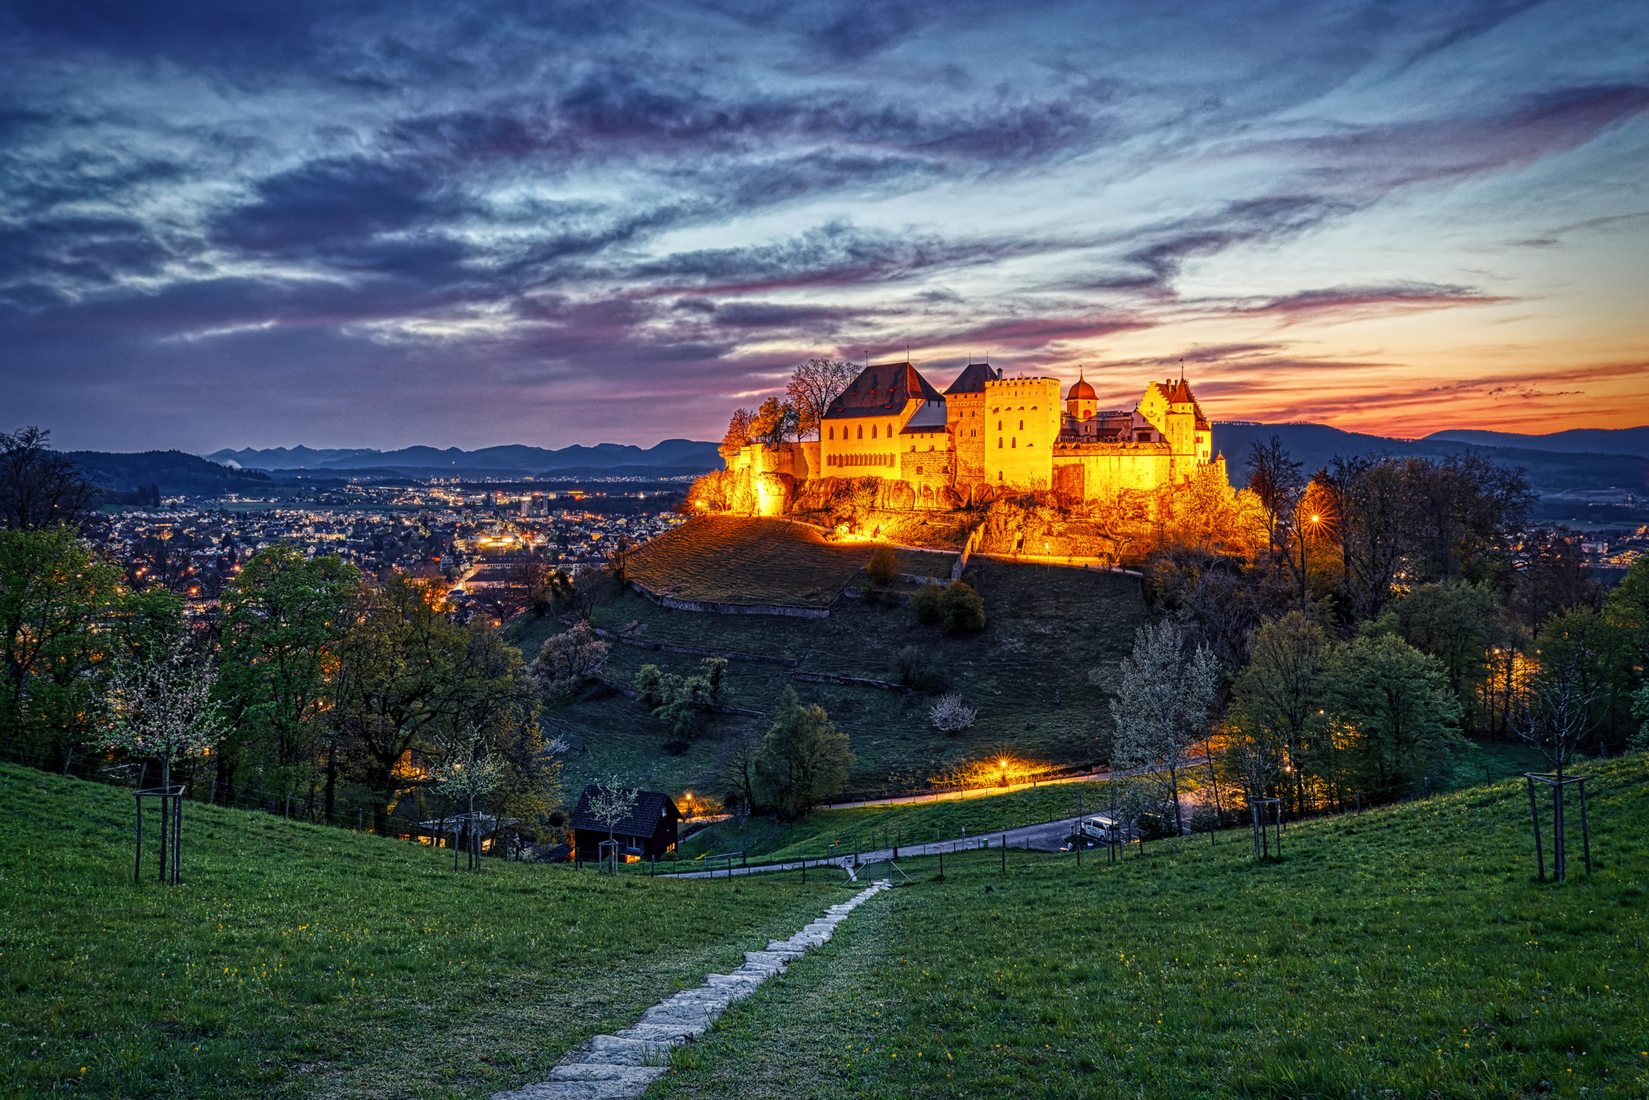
pixel 622 1065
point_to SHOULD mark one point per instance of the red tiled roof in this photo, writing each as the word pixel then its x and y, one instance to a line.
pixel 881 390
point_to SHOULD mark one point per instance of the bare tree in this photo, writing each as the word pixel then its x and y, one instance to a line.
pixel 38 486
pixel 1162 705
pixel 611 802
pixel 813 385
pixel 1274 477
pixel 1555 717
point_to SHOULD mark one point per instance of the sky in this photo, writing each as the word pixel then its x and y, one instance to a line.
pixel 470 223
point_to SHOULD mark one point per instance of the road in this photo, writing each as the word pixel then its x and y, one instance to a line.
pixel 1046 837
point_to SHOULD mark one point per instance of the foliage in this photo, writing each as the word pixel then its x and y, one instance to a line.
pixel 283 617
pixel 161 706
pixel 803 759
pixel 1164 700
pixel 883 566
pixel 1456 622
pixel 950 714
pixel 1400 720
pixel 569 660
pixel 926 603
pixel 63 613
pixel 918 667
pixel 961 608
pixel 774 422
pixel 684 702
pixel 1278 705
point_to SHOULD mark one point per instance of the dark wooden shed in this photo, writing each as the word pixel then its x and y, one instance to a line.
pixel 647 833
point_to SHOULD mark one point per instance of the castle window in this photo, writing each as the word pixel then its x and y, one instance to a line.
pixel 1022 424
pixel 999 443
pixel 1016 441
pixel 999 425
pixel 861 431
pixel 832 433
pixel 873 431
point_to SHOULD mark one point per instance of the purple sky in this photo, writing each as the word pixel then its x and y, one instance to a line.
pixel 345 224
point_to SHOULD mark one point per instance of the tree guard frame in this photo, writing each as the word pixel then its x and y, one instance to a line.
pixel 1559 785
pixel 170 800
pixel 1266 816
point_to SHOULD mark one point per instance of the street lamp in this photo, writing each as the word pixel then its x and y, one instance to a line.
pixel 1315 520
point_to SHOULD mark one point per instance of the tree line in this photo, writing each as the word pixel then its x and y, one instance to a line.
pixel 1395 608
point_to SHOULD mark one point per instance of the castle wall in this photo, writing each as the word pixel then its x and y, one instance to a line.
pixel 965 420
pixel 1096 471
pixel 1022 420
pixel 929 470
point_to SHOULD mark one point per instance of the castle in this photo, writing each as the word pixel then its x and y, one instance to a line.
pixel 985 436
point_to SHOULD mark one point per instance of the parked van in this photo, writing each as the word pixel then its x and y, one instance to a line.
pixel 1103 828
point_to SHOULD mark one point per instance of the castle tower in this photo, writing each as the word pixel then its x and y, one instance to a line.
pixel 1022 420
pixel 965 420
pixel 1081 403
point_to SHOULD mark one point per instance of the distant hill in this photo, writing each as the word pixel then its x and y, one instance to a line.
pixel 1597 441
pixel 672 456
pixel 166 472
pixel 1550 470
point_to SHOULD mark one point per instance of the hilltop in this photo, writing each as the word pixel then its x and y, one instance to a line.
pixel 668 458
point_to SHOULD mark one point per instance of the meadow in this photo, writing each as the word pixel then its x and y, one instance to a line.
pixel 1406 951
pixel 723 559
pixel 1027 673
pixel 299 961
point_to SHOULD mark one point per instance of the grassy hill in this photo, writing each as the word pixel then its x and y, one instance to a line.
pixel 302 961
pixel 1402 952
pixel 1027 673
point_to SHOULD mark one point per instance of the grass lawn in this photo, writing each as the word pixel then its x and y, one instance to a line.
pixel 301 961
pixel 833 832
pixel 1403 952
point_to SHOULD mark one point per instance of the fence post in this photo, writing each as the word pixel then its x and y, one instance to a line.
pixel 1585 829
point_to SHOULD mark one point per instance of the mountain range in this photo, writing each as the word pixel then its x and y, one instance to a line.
pixel 671 457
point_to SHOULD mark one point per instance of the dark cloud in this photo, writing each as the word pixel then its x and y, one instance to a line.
pixel 1352 302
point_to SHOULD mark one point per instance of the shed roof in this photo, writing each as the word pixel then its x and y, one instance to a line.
pixel 651 808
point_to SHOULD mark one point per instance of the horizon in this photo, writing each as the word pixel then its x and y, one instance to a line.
pixel 469 222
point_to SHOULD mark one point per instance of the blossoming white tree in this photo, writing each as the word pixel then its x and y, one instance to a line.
pixel 161 707
pixel 950 714
pixel 471 771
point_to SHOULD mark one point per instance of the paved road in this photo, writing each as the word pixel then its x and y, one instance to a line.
pixel 1046 837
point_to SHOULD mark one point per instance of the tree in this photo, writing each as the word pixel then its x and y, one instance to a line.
pixel 684 702
pixel 883 567
pixel 736 762
pixel 1274 478
pixel 813 385
pixel 773 423
pixel 471 770
pixel 39 488
pixel 1601 651
pixel 1374 518
pixel 60 606
pixel 1455 621
pixel 569 660
pixel 1465 513
pixel 1281 694
pixel 738 430
pixel 283 617
pixel 610 802
pixel 961 609
pixel 162 707
pixel 803 759
pixel 1254 756
pixel 1163 702
pixel 950 714
pixel 536 580
pixel 1554 576
pixel 1401 719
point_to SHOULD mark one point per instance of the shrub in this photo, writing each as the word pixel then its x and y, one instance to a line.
pixel 951 715
pixel 883 567
pixel 927 604
pixel 569 660
pixel 920 668
pixel 803 759
pixel 961 609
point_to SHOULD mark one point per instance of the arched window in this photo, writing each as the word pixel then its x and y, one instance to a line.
pixel 999 425
pixel 861 431
pixel 999 443
pixel 832 433
pixel 1021 423
pixel 1016 441
pixel 873 431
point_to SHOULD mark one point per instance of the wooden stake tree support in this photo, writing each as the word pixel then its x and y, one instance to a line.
pixel 170 800
pixel 1266 815
pixel 1558 784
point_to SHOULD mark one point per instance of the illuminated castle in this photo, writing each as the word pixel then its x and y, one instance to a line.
pixel 986 435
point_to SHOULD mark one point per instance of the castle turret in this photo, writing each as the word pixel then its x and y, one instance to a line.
pixel 1081 403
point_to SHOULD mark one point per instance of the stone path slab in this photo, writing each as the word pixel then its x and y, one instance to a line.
pixel 624 1064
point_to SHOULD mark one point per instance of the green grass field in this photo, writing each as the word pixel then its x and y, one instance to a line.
pixel 1027 673
pixel 1405 952
pixel 299 961
pixel 863 828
